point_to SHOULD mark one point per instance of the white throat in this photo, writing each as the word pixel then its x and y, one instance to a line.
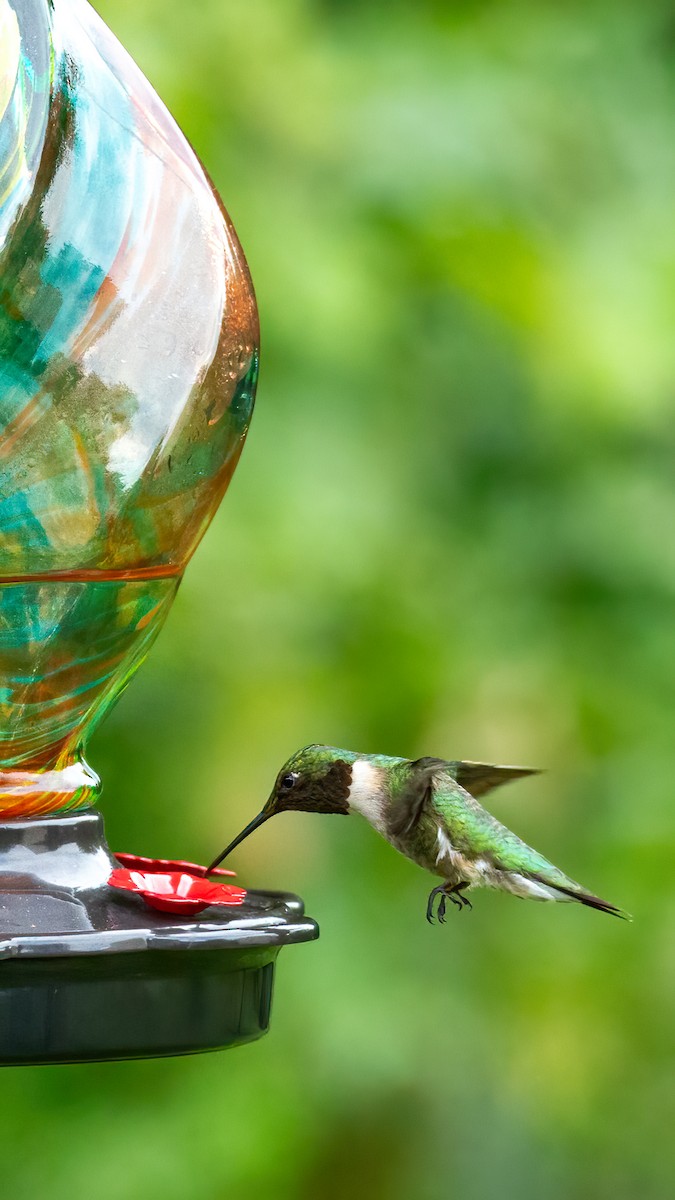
pixel 367 794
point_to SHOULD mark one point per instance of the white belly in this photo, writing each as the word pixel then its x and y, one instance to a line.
pixel 452 865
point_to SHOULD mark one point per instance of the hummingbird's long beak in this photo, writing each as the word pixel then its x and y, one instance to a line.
pixel 254 824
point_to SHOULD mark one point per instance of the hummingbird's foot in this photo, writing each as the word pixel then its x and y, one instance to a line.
pixel 445 892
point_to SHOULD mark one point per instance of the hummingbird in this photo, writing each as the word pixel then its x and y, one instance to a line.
pixel 428 809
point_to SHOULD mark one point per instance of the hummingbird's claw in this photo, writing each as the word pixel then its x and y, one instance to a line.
pixel 446 892
pixel 437 891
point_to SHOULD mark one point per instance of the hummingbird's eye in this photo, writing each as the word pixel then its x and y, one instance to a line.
pixel 289 781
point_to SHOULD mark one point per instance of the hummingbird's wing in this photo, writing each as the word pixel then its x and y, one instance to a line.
pixel 430 788
pixel 431 795
pixel 473 777
pixel 478 778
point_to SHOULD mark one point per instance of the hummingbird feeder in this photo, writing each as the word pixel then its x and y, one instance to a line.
pixel 128 364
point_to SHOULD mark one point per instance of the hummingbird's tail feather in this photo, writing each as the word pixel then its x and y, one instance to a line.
pixel 478 778
pixel 574 892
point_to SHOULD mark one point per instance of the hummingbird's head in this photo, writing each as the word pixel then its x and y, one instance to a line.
pixel 316 779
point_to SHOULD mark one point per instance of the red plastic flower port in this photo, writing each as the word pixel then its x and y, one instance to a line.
pixel 136 862
pixel 176 891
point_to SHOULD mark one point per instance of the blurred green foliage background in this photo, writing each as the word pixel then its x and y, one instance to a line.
pixel 451 533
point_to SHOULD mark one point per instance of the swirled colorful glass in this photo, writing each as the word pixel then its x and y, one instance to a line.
pixel 128 362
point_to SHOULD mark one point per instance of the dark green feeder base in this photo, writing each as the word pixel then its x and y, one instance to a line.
pixel 91 974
